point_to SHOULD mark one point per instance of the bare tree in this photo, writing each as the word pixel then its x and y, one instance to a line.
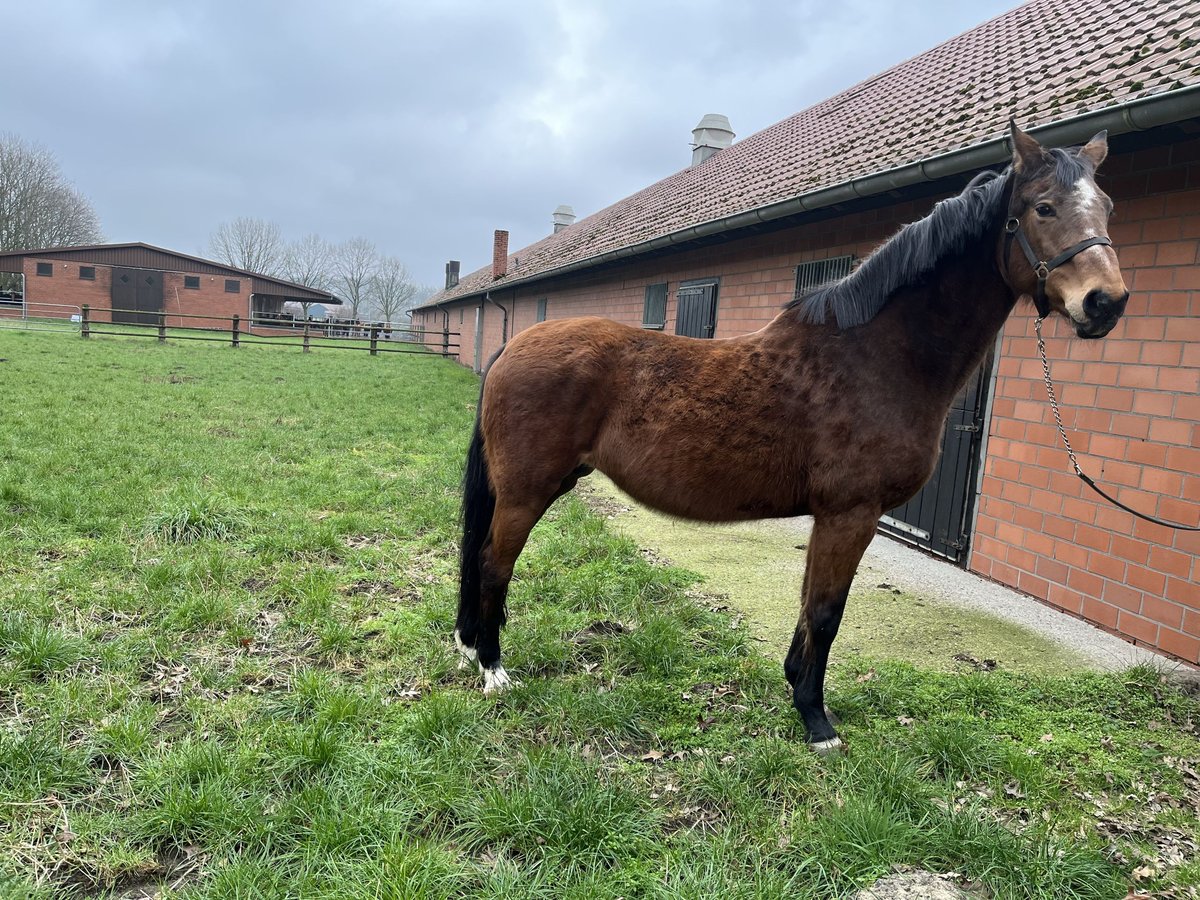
pixel 355 263
pixel 251 244
pixel 309 261
pixel 392 291
pixel 38 206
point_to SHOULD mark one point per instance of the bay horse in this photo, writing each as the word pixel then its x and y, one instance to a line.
pixel 834 410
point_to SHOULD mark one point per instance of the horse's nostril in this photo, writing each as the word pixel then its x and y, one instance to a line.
pixel 1099 303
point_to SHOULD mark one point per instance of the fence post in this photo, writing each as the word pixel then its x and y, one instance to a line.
pixel 162 328
pixel 236 331
pixel 84 328
pixel 374 340
pixel 446 339
pixel 305 337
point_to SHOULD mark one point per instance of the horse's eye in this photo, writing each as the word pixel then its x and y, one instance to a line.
pixel 1045 210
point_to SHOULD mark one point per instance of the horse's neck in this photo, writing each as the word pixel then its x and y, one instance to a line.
pixel 950 322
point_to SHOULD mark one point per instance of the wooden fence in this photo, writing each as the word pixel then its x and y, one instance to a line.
pixel 375 338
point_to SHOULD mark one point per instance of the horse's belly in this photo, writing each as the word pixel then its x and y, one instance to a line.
pixel 705 490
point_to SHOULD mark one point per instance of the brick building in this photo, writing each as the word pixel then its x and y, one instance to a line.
pixel 137 282
pixel 716 249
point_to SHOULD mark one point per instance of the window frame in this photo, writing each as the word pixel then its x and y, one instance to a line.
pixel 540 314
pixel 45 270
pixel 188 285
pixel 87 273
pixel 237 285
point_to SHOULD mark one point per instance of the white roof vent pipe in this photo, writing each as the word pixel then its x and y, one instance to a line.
pixel 564 217
pixel 712 134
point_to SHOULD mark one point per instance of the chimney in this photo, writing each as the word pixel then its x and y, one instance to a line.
pixel 712 134
pixel 500 254
pixel 451 273
pixel 564 217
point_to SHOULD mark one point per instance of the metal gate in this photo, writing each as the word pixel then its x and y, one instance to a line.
pixel 696 313
pixel 939 517
pixel 137 296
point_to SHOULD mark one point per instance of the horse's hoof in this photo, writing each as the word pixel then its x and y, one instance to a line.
pixel 497 681
pixel 831 746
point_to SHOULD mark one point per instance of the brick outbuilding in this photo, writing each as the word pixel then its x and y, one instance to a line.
pixel 136 282
pixel 718 248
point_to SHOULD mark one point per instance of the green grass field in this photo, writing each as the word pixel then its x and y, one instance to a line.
pixel 226 595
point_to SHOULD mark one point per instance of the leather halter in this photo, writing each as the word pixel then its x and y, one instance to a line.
pixel 1043 268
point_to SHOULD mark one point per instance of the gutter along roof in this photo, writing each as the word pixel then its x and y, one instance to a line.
pixel 1064 69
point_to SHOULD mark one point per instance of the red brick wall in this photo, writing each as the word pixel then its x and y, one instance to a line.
pixel 64 293
pixel 1132 405
pixel 210 299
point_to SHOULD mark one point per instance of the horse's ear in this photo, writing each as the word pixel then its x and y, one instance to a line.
pixel 1096 149
pixel 1028 154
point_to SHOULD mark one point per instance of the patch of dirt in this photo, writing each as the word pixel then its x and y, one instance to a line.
pixel 599 630
pixel 917 886
pixel 602 504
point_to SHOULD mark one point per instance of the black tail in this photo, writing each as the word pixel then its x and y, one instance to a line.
pixel 478 507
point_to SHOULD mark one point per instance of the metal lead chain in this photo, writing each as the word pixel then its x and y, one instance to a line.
pixel 1037 327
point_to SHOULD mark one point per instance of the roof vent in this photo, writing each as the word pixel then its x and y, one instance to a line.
pixel 564 217
pixel 712 134
pixel 452 273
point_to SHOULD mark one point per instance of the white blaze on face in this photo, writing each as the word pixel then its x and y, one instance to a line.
pixel 1090 265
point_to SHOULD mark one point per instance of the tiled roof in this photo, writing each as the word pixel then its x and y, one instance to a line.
pixel 1044 62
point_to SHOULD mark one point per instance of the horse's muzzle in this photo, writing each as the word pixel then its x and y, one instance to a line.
pixel 1102 310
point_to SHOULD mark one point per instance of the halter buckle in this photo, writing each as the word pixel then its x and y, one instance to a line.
pixel 1042 270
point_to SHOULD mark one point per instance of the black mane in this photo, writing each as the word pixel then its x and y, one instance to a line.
pixel 911 254
pixel 916 250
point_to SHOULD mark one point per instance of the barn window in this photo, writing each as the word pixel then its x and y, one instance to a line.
pixel 654 314
pixel 462 313
pixel 191 282
pixel 87 273
pixel 541 310
pixel 46 269
pixel 233 286
pixel 813 274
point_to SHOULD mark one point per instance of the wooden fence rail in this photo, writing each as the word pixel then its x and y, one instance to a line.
pixel 375 337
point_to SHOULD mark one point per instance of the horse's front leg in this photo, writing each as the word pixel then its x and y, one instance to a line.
pixel 834 551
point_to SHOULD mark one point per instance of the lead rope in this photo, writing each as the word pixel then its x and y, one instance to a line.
pixel 1037 327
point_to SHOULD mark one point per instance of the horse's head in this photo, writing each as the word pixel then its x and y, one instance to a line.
pixel 1056 246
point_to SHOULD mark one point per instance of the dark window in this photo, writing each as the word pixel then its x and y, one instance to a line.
pixel 462 314
pixel 541 310
pixel 811 275
pixel 233 286
pixel 87 273
pixel 191 282
pixel 654 315
pixel 46 269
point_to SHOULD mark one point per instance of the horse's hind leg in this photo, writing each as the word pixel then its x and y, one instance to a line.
pixel 834 551
pixel 510 530
pixel 510 527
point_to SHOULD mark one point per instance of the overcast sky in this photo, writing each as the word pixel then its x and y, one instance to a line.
pixel 421 126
